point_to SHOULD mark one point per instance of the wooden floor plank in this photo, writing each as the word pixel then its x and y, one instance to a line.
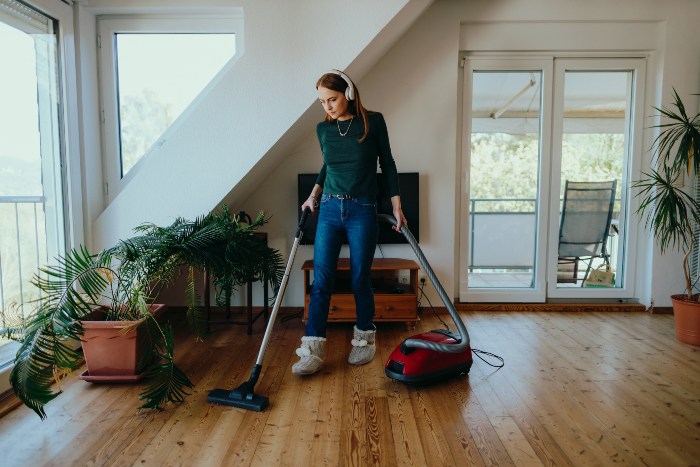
pixel 246 439
pixel 328 424
pixel 539 439
pixel 459 400
pixel 380 442
pixel 556 405
pixel 353 445
pixel 578 388
pixel 606 436
pixel 407 443
pixel 430 429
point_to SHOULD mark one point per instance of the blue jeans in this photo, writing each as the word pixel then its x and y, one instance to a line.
pixel 355 218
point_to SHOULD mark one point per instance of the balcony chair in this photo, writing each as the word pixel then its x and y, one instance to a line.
pixel 585 225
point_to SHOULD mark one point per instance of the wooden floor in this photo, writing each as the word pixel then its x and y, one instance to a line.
pixel 577 389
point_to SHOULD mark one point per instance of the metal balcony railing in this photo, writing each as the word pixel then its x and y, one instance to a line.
pixel 502 233
pixel 22 249
pixel 487 213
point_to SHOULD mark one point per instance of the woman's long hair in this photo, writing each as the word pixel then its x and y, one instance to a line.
pixel 336 82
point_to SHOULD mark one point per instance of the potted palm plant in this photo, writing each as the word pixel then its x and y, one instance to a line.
pixel 669 211
pixel 119 285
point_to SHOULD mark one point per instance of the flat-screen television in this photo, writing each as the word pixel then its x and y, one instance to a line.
pixel 408 183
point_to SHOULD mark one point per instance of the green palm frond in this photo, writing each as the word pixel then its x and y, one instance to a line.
pixel 167 382
pixel 667 210
pixel 37 392
pixel 77 271
pixel 679 140
pixel 72 289
pixel 149 344
pixel 195 314
pixel 195 243
pixel 273 268
pixel 43 357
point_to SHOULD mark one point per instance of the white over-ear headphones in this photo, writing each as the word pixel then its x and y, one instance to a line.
pixel 350 90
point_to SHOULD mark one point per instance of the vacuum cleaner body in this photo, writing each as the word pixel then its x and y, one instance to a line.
pixel 435 355
pixel 418 366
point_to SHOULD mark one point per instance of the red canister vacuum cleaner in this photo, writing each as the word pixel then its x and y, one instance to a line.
pixel 435 355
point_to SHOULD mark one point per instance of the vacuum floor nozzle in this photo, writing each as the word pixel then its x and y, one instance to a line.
pixel 248 401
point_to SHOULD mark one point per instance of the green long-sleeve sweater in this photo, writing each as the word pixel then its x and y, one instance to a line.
pixel 349 167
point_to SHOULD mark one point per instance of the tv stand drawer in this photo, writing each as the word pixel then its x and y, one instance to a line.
pixel 395 299
pixel 386 307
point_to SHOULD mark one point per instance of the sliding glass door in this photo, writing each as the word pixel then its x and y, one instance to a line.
pixel 507 159
pixel 532 129
pixel 597 127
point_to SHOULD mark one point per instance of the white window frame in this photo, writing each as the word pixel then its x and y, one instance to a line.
pixel 551 143
pixel 509 64
pixel 107 28
pixel 67 118
pixel 633 156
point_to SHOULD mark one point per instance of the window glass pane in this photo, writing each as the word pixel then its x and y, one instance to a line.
pixel 503 178
pixel 31 199
pixel 158 76
pixel 596 121
pixel 20 158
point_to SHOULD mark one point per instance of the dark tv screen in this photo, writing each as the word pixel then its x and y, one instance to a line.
pixel 408 183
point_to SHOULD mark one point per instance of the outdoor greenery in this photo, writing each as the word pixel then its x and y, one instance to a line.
pixel 126 279
pixel 505 165
pixel 143 119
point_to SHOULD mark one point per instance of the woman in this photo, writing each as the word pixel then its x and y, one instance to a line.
pixel 352 141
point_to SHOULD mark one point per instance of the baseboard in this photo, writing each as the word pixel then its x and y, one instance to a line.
pixel 8 402
pixel 239 310
pixel 660 310
pixel 585 307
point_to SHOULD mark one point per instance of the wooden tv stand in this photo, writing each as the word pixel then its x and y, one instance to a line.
pixel 393 300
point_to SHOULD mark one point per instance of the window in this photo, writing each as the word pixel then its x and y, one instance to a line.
pixel 32 226
pixel 152 69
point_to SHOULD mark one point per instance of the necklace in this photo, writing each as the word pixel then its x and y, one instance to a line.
pixel 346 131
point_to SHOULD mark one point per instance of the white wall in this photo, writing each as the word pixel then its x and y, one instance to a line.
pixel 236 125
pixel 416 86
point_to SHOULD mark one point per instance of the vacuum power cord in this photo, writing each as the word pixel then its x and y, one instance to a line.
pixel 476 352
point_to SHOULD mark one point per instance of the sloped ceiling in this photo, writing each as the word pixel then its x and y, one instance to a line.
pixel 257 111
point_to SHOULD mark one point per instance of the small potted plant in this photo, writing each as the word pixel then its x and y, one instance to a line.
pixel 116 288
pixel 669 211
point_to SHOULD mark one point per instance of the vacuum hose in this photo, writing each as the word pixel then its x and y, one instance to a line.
pixel 462 345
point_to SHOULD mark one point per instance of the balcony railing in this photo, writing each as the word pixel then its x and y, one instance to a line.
pixel 22 249
pixel 502 233
pixel 493 223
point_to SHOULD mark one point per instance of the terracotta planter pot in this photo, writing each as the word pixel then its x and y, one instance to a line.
pixel 687 316
pixel 111 355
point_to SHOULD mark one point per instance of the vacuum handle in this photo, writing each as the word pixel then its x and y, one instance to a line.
pixel 283 287
pixel 463 343
pixel 302 221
